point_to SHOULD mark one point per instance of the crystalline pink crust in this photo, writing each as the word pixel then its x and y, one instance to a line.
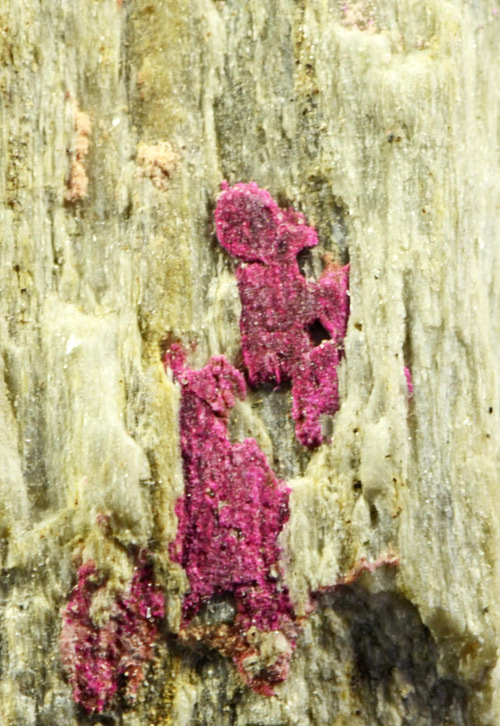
pixel 100 659
pixel 291 328
pixel 234 507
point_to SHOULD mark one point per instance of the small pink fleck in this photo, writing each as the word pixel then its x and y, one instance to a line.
pixel 409 382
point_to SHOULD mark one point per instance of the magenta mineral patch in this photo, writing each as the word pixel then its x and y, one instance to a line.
pixel 292 328
pixel 102 658
pixel 234 507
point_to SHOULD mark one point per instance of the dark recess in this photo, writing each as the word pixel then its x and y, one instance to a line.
pixel 318 333
pixel 396 659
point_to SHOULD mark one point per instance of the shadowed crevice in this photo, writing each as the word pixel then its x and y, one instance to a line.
pixel 396 660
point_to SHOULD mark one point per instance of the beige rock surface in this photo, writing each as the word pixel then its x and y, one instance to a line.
pixel 380 121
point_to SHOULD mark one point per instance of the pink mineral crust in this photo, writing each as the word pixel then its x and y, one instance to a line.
pixel 100 659
pixel 291 328
pixel 315 392
pixel 232 512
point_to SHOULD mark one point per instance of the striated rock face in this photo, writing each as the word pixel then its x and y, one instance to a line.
pixel 378 124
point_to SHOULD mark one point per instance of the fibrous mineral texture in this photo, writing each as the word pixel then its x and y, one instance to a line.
pixel 379 123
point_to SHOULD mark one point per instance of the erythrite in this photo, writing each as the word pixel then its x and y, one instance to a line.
pixel 101 658
pixel 291 328
pixel 409 382
pixel 230 517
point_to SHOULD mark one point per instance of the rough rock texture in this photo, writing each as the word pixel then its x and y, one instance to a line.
pixel 380 122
